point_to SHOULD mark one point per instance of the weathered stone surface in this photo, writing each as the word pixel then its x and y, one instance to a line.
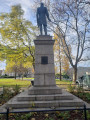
pixel 44 80
pixel 25 101
pixel 46 104
pixel 26 97
pixel 44 90
pixel 44 37
pixel 45 101
pixel 50 79
pixel 43 69
pixel 39 80
pixel 44 50
pixel 44 42
pixel 44 73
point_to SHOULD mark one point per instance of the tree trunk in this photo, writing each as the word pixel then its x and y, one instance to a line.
pixel 74 74
pixel 60 71
pixel 34 66
pixel 15 74
pixel 22 76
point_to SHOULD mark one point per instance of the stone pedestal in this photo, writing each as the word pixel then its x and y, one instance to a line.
pixel 44 79
pixel 44 61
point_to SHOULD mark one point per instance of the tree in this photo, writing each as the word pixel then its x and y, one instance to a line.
pixel 71 17
pixel 2 54
pixel 17 34
pixel 61 59
pixel 13 62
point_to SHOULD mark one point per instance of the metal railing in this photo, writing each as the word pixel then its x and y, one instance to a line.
pixel 83 108
pixel 51 110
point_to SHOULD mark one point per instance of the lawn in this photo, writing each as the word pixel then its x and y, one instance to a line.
pixel 25 82
pixel 13 82
pixel 63 83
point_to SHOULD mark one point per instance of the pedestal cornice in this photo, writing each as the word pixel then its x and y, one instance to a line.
pixel 44 40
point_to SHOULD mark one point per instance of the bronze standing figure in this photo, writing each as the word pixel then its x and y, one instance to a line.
pixel 42 13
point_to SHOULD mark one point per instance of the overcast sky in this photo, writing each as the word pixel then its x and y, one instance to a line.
pixel 27 5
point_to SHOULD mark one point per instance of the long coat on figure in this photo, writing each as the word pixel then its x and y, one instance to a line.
pixel 41 16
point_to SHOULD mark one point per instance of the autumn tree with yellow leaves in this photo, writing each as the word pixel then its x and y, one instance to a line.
pixel 17 38
pixel 17 63
pixel 61 60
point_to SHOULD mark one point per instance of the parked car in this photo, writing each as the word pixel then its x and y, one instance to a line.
pixel 84 81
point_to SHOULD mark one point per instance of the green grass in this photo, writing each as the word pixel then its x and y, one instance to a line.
pixel 13 82
pixel 24 83
pixel 28 78
pixel 63 83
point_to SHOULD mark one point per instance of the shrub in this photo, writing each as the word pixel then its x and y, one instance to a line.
pixel 88 115
pixel 88 96
pixel 57 75
pixel 63 115
pixel 16 89
pixel 80 89
pixel 71 88
pixel 6 76
pixel 7 94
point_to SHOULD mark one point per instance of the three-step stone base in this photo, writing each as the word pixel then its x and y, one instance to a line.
pixel 26 100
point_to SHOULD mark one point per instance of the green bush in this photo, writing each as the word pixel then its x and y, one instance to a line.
pixel 16 89
pixel 80 89
pixel 64 115
pixel 71 88
pixel 57 75
pixel 6 76
pixel 88 115
pixel 88 96
pixel 7 94
pixel 26 117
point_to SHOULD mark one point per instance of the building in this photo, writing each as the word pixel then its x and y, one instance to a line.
pixel 2 72
pixel 80 71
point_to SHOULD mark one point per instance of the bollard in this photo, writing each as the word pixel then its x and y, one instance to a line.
pixel 7 114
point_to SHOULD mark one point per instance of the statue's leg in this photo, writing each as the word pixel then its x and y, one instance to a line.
pixel 41 29
pixel 45 29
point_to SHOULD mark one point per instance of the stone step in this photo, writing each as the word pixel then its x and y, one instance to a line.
pixel 45 104
pixel 44 90
pixel 45 109
pixel 44 97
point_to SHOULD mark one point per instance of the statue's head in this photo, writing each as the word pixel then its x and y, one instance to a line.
pixel 42 4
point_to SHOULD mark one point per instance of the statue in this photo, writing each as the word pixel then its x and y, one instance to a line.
pixel 42 13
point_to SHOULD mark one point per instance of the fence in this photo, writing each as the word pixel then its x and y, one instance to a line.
pixel 63 85
pixel 52 110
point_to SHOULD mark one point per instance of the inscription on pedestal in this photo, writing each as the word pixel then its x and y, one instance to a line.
pixel 44 59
